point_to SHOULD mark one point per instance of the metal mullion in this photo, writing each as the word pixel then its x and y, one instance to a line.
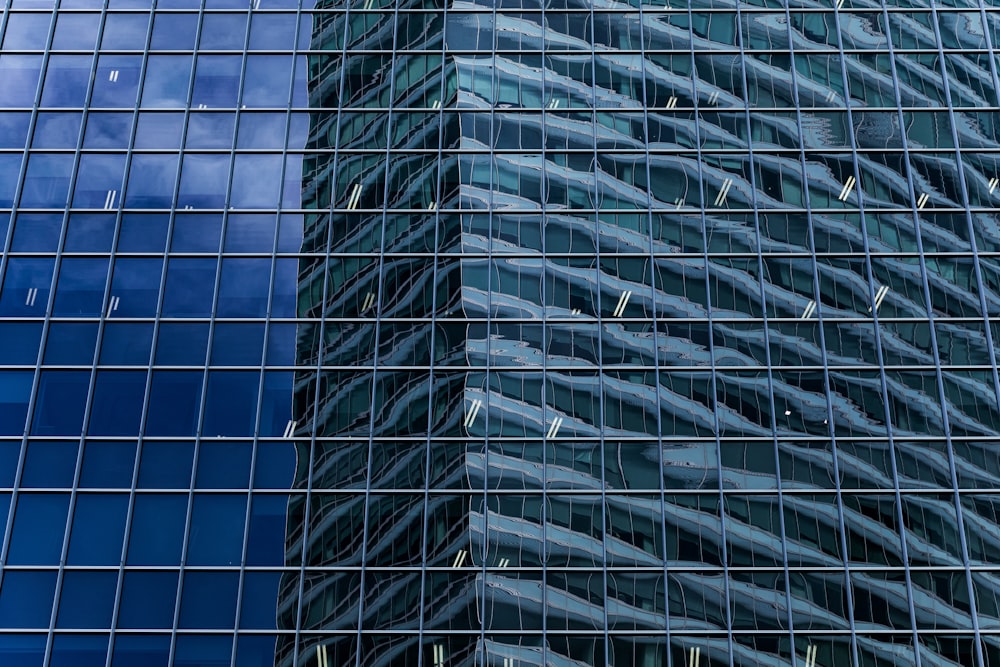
pixel 713 377
pixel 377 314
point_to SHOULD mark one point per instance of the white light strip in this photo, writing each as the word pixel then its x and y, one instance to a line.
pixel 504 562
pixel 554 429
pixel 470 416
pixel 289 429
pixel 694 657
pixel 922 201
pixel 713 98
pixel 994 182
pixel 723 192
pixel 846 190
pixel 368 302
pixel 32 293
pixel 672 102
pixel 113 305
pixel 622 302
pixel 811 655
pixel 109 199
pixel 352 201
pixel 810 309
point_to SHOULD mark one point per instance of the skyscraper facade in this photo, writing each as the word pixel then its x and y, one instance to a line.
pixel 500 333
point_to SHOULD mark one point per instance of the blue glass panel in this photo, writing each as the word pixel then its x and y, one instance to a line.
pixel 255 650
pixel 90 232
pixel 127 343
pixel 10 167
pixel 267 80
pixel 196 232
pixel 166 465
pixel 217 524
pixel 204 181
pixel 141 651
pixel 286 272
pixel 57 129
pixel 208 601
pixel 66 81
pixel 79 650
pixel 174 400
pixel 182 344
pixel 80 288
pixel 223 465
pixel 243 289
pixel 26 32
pixel 107 130
pixel 143 233
pixel 272 32
pixel 98 529
pixel 60 402
pixel 190 287
pixel 266 544
pixel 15 392
pixel 281 345
pixel 20 76
pixel 99 182
pixel 10 452
pixel 26 286
pixel 174 32
pixel 260 589
pixel 231 405
pixel 25 602
pixel 166 82
pixel 247 232
pixel 276 409
pixel 71 343
pixel 117 403
pixel 217 81
pixel 87 599
pixel 46 183
pixel 204 651
pixel 261 130
pixel 37 539
pixel 157 532
pixel 210 130
pixel 148 600
pixel 50 464
pixel 223 32
pixel 21 341
pixel 151 181
pixel 37 232
pixel 136 286
pixel 237 344
pixel 76 32
pixel 275 465
pixel 125 32
pixel 159 129
pixel 107 464
pixel 14 129
pixel 256 180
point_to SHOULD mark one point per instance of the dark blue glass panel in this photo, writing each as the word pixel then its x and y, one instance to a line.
pixel 217 81
pixel 117 82
pixel 159 129
pixel 107 130
pixel 275 465
pixel 166 82
pixel 223 32
pixel 157 532
pixel 99 181
pixel 10 453
pixel 20 76
pixel 247 232
pixel 190 287
pixel 262 130
pixel 204 181
pixel 275 31
pixel 151 181
pixel 90 232
pixel 125 32
pixel 238 344
pixel 26 602
pixel 71 343
pixel 8 468
pixel 14 129
pixel 39 524
pixel 182 344
pixel 98 529
pixel 76 32
pixel 26 32
pixel 37 232
pixel 255 650
pixel 117 403
pixel 10 166
pixel 208 601
pixel 60 402
pixel 107 464
pixel 46 183
pixel 174 400
pixel 87 599
pixel 57 129
pixel 148 600
pixel 217 523
pixel 231 405
pixel 66 81
pixel 268 79
pixel 210 130
pixel 275 410
pixel 286 273
pixel 26 286
pixel 166 465
pixel 127 343
pixel 257 610
pixel 143 233
pixel 80 288
pixel 20 342
pixel 15 392
pixel 223 465
pixel 290 233
pixel 281 345
pixel 243 288
pixel 50 464
pixel 79 650
pixel 196 232
pixel 256 180
pixel 204 651
pixel 265 544
pixel 174 32
pixel 141 651
pixel 136 286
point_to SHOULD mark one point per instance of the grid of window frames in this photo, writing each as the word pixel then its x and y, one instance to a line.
pixel 618 334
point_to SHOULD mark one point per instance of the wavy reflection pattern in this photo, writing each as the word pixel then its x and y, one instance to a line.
pixel 630 344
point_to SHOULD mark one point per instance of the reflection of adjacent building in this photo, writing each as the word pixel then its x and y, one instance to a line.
pixel 748 369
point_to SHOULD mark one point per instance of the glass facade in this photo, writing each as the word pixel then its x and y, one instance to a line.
pixel 499 333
